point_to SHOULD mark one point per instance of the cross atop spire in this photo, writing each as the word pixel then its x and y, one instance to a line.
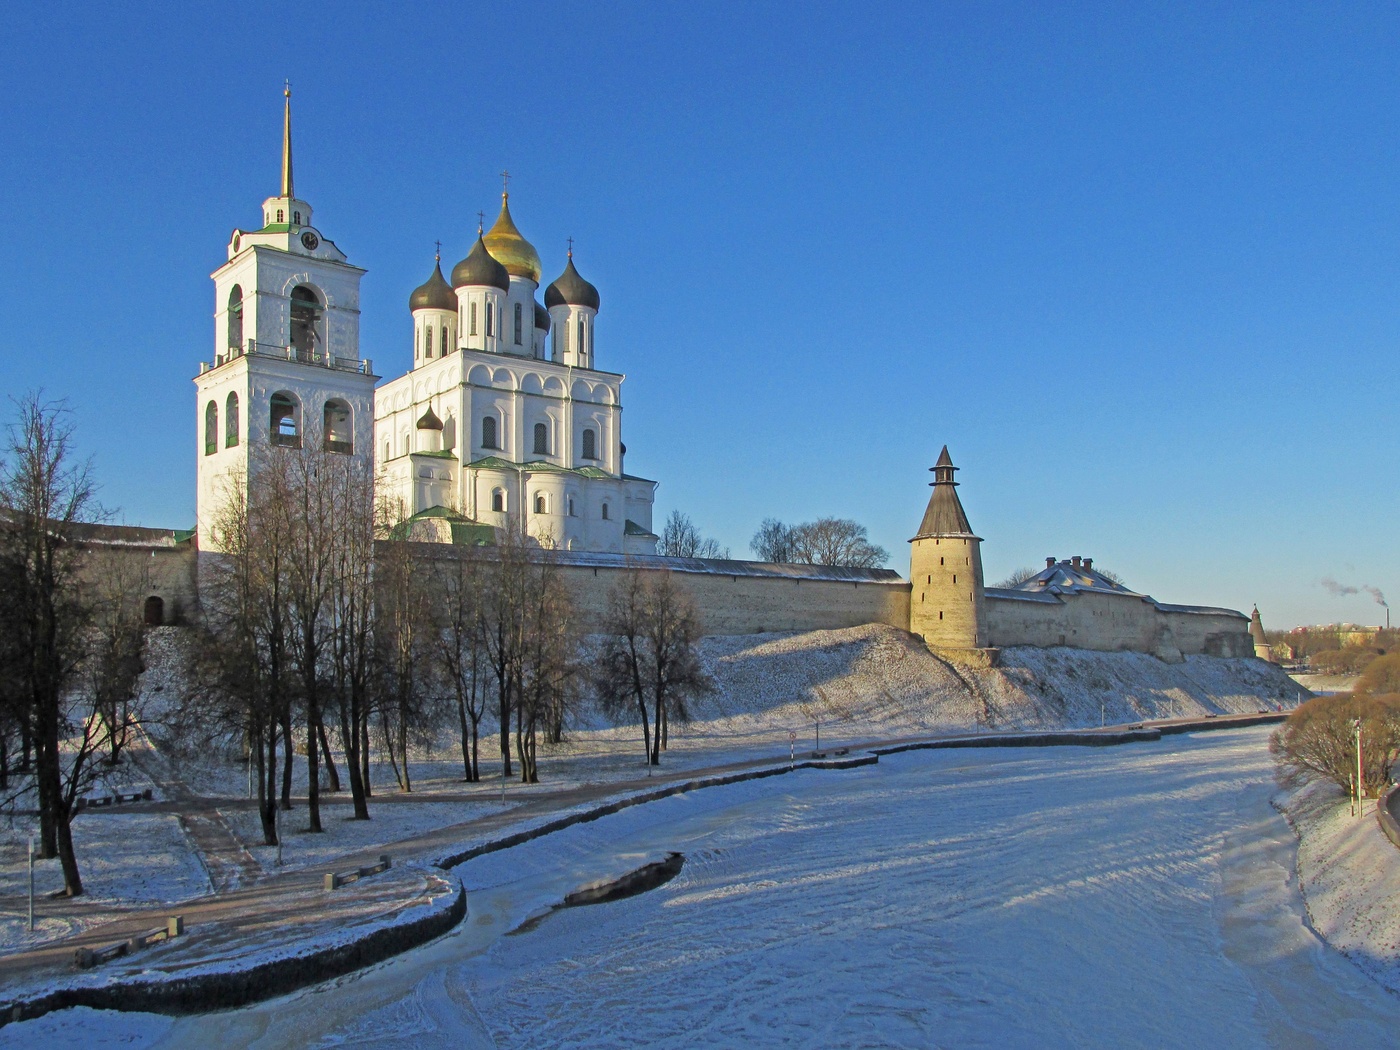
pixel 571 247
pixel 505 184
pixel 480 222
pixel 437 254
pixel 287 190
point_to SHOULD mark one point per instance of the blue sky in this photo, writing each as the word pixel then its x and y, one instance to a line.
pixel 1136 264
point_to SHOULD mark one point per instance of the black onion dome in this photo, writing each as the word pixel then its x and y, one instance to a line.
pixel 429 420
pixel 541 318
pixel 479 269
pixel 572 289
pixel 433 294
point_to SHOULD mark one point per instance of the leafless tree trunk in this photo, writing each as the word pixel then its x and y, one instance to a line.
pixel 43 497
pixel 649 655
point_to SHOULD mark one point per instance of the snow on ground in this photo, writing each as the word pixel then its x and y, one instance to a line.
pixel 1131 896
pixel 1351 878
pixel 864 683
pixel 126 859
pixel 387 824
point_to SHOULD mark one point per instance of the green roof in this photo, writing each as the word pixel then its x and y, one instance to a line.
pixel 276 227
pixel 631 528
pixel 441 454
pixel 537 466
pixel 465 532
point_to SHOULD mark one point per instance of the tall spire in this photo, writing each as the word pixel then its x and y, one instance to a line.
pixel 287 190
pixel 945 515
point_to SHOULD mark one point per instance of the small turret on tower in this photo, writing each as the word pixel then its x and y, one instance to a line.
pixel 947 605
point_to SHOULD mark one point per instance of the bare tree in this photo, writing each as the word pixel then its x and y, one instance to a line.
pixel 1016 577
pixel 403 633
pixel 117 585
pixel 681 539
pixel 648 656
pixel 1318 742
pixel 244 676
pixel 836 541
pixel 460 650
pixel 773 542
pixel 351 611
pixel 44 494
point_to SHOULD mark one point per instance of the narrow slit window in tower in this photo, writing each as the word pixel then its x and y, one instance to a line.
pixel 519 325
pixel 231 421
pixel 211 428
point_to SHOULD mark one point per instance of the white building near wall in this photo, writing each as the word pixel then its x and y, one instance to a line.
pixel 503 415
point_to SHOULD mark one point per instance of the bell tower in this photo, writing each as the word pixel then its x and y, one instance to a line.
pixel 286 370
pixel 947 604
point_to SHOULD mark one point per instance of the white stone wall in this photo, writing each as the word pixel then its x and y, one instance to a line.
pixel 1111 623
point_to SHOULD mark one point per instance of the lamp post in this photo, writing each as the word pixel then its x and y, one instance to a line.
pixel 1360 778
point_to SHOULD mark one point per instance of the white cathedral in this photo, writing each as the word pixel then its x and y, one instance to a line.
pixel 503 414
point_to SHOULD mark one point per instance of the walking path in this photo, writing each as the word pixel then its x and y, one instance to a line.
pixel 288 907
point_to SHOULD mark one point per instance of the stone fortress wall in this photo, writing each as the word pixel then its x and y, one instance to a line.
pixel 740 597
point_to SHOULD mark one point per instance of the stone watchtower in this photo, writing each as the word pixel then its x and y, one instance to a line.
pixel 947 605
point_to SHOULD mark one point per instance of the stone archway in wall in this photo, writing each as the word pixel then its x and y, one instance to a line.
pixel 153 614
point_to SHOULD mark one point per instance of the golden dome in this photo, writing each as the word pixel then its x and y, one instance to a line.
pixel 509 248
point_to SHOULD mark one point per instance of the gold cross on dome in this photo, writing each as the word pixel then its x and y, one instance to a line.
pixel 571 247
pixel 438 254
pixel 480 221
pixel 505 181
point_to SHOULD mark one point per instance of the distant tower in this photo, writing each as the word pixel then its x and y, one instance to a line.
pixel 1256 631
pixel 286 368
pixel 947 605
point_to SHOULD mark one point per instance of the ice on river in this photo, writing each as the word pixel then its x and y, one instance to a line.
pixel 1135 896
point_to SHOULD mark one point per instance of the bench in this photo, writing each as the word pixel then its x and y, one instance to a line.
pixel 335 879
pixel 94 801
pixel 87 958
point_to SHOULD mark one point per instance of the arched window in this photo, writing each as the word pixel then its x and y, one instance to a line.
pixel 472 313
pixel 605 512
pixel 235 318
pixel 541 504
pixel 284 422
pixel 489 318
pixel 306 317
pixel 571 506
pixel 428 341
pixel 590 444
pixel 337 427
pixel 498 500
pixel 211 428
pixel 296 218
pixel 281 215
pixel 231 421
pixel 488 432
pixel 541 439
pixel 387 451
pixel 554 337
pixel 154 612
pixel 519 325
pixel 443 351
pixel 582 341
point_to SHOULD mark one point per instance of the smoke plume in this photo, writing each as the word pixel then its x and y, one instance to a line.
pixel 1341 590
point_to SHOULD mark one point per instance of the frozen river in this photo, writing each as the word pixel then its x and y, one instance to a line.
pixel 1131 896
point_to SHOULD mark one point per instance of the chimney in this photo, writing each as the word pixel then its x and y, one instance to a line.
pixel 1049 563
pixel 1075 561
pixel 1088 563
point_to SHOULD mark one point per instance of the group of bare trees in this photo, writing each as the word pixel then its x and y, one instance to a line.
pixel 826 541
pixel 1318 742
pixel 70 631
pixel 318 638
